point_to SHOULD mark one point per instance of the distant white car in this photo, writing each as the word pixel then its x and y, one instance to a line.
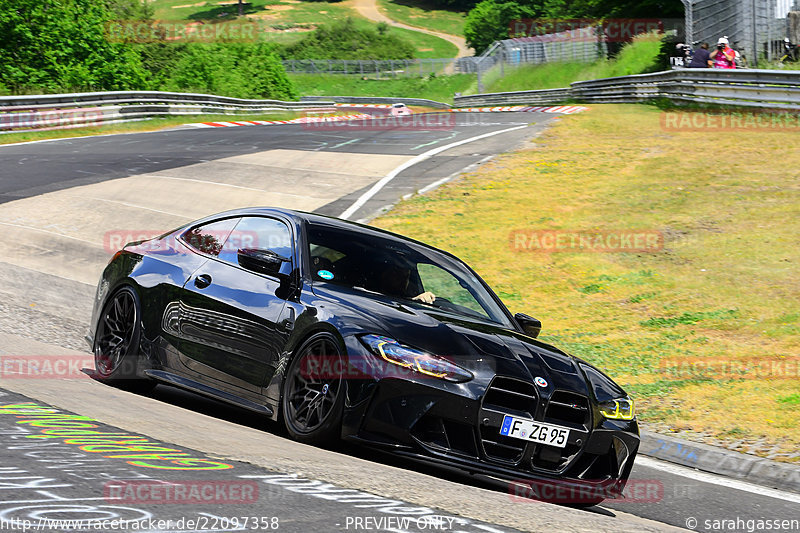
pixel 400 110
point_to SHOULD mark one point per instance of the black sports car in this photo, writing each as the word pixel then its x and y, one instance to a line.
pixel 343 330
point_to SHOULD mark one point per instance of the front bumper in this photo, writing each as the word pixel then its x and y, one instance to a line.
pixel 458 426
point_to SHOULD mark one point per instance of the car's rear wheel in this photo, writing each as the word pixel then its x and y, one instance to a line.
pixel 314 391
pixel 116 351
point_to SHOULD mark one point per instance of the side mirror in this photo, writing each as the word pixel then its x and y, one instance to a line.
pixel 531 326
pixel 261 261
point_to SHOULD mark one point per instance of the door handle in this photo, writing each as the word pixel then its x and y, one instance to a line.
pixel 202 281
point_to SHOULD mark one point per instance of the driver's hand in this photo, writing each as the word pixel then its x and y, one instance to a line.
pixel 425 297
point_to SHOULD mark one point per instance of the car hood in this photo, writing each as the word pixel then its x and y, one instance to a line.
pixel 461 339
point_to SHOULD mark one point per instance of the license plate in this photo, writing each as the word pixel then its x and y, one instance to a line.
pixel 522 428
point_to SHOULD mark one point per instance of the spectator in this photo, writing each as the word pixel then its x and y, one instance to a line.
pixel 723 56
pixel 700 59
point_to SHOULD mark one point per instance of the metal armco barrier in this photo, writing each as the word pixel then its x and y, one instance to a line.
pixel 546 96
pixel 766 89
pixel 376 100
pixel 39 112
pixel 769 89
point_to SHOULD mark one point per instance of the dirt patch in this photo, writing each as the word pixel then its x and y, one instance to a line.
pixel 290 30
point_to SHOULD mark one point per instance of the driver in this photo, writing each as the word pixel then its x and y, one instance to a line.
pixel 394 282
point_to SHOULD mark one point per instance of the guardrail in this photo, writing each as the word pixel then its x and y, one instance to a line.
pixel 546 96
pixel 766 89
pixel 377 100
pixel 56 111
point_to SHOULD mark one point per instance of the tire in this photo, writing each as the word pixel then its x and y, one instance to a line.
pixel 312 401
pixel 116 347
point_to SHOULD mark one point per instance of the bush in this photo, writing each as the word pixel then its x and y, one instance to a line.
pixel 240 70
pixel 61 45
pixel 347 40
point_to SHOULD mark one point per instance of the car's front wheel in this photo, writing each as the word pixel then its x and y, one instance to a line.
pixel 314 391
pixel 116 350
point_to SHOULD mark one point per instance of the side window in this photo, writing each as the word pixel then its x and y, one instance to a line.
pixel 444 285
pixel 258 233
pixel 209 238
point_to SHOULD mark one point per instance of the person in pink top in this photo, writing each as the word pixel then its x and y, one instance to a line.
pixel 724 56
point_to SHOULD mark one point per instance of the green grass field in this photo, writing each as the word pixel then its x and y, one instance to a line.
pixel 636 58
pixel 424 15
pixel 285 22
pixel 439 88
pixel 722 291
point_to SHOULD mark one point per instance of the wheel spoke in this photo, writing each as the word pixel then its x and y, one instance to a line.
pixel 308 405
pixel 116 332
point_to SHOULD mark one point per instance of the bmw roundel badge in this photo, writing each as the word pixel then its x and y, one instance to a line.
pixel 540 381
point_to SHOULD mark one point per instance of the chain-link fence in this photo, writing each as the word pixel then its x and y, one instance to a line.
pixel 534 50
pixel 377 68
pixel 754 28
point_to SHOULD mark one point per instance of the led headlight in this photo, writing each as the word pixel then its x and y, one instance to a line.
pixel 619 409
pixel 613 401
pixel 393 352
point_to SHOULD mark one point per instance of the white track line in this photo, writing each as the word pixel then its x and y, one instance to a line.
pixel 42 230
pixel 705 477
pixel 364 198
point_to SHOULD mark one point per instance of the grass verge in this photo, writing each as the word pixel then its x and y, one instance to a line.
pixel 153 124
pixel 439 88
pixel 704 332
pixel 635 58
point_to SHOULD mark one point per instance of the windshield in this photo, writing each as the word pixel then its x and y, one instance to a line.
pixel 399 270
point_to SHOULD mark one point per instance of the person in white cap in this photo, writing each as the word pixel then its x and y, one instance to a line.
pixel 724 56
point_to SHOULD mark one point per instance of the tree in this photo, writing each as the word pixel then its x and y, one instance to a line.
pixel 489 21
pixel 58 45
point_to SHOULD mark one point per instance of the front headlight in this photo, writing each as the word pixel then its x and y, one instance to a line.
pixel 405 356
pixel 613 401
pixel 619 409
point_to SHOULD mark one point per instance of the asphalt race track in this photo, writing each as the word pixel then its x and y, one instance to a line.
pixel 64 207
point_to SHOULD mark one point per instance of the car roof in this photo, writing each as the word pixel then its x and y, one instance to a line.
pixel 325 220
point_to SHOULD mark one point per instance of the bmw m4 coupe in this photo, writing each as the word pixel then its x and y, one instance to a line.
pixel 341 330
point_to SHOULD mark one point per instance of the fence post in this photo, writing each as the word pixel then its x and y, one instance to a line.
pixel 480 77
